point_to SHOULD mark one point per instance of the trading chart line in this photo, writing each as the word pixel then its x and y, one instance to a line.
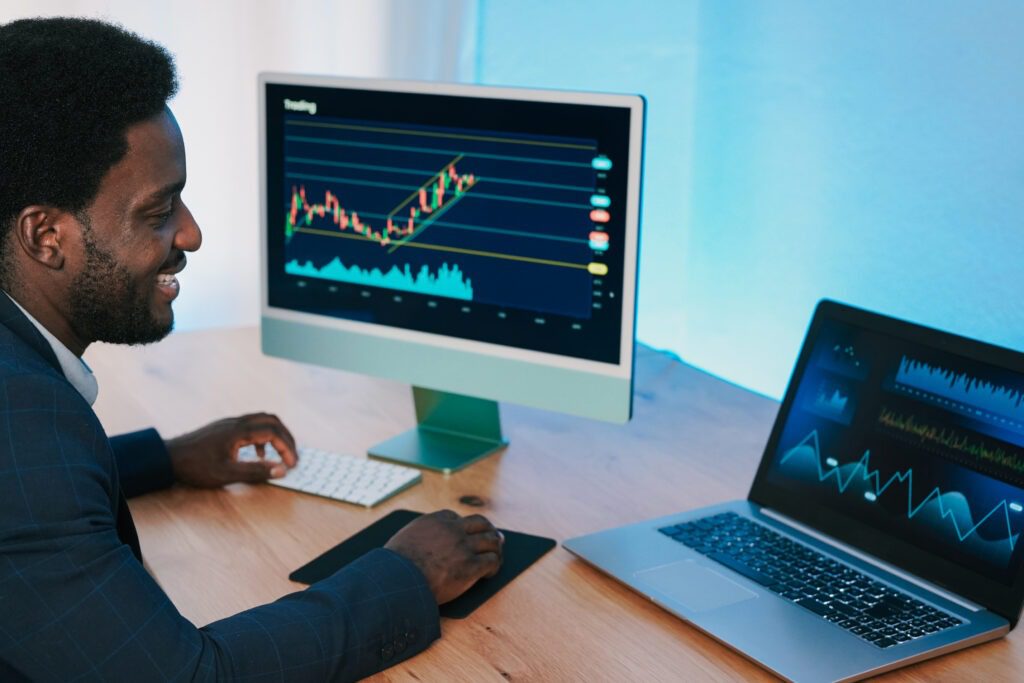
pixel 434 150
pixel 457 250
pixel 396 186
pixel 420 172
pixel 437 134
pixel 447 187
pixel 483 228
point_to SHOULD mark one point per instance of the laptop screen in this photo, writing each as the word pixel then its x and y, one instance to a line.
pixel 906 441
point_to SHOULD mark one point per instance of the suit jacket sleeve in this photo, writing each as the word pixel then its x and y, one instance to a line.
pixel 143 463
pixel 75 603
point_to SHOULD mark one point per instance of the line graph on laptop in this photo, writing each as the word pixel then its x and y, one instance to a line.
pixel 986 529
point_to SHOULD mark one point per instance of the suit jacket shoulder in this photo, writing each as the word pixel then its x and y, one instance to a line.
pixel 143 463
pixel 77 603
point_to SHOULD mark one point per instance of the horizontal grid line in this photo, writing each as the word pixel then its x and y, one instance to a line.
pixel 456 136
pixel 481 228
pixel 478 195
pixel 420 172
pixel 433 150
pixel 458 250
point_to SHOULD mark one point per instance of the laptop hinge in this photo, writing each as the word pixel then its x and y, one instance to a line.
pixel 881 564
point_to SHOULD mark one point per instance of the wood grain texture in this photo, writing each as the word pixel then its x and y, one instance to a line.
pixel 694 440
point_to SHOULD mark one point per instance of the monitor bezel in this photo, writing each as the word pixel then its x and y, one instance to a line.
pixel 997 597
pixel 636 105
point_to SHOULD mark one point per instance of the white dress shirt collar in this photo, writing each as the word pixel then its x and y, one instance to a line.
pixel 75 369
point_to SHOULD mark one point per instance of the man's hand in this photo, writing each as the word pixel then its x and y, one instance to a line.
pixel 208 457
pixel 453 552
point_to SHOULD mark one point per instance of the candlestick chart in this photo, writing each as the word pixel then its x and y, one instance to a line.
pixel 494 218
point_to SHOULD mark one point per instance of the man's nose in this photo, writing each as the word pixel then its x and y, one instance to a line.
pixel 188 237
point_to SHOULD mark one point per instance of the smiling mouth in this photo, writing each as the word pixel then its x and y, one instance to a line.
pixel 168 284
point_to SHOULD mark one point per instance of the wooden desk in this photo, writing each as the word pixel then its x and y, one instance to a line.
pixel 694 440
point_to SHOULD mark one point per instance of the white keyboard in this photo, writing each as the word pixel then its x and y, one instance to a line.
pixel 350 479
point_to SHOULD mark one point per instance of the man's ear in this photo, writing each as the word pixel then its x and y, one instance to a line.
pixel 43 233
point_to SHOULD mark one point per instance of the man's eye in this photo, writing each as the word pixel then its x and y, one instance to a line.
pixel 161 218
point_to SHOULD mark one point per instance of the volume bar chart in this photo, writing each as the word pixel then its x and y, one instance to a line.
pixel 447 282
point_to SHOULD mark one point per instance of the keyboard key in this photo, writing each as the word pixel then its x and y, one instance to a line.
pixel 815 606
pixel 743 569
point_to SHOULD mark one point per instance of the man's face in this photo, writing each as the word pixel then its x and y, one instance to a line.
pixel 134 238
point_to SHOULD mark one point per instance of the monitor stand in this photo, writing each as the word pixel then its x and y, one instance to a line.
pixel 453 431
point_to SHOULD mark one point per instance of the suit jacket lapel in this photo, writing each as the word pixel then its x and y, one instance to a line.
pixel 12 317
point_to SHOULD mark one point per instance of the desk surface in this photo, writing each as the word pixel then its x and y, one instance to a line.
pixel 694 440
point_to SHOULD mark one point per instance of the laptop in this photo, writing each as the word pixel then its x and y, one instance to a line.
pixel 884 523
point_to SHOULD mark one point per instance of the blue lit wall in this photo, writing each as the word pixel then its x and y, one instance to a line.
pixel 870 152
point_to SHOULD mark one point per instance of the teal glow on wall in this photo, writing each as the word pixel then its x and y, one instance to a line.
pixel 869 152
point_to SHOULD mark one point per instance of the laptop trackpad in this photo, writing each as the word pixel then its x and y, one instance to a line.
pixel 698 588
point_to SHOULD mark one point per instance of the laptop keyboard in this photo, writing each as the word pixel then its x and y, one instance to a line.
pixel 854 601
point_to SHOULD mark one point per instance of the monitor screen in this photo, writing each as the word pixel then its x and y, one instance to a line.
pixel 909 435
pixel 499 220
pixel 466 239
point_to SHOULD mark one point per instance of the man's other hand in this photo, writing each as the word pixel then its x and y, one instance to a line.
pixel 208 457
pixel 453 552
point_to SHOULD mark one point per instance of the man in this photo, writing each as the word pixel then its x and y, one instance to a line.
pixel 94 231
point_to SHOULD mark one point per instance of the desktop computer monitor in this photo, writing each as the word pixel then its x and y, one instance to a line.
pixel 477 242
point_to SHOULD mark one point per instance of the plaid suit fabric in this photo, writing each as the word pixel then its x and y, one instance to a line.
pixel 76 603
pixel 143 463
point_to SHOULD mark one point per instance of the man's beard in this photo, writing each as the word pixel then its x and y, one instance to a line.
pixel 107 305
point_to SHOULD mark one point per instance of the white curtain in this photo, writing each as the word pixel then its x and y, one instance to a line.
pixel 220 47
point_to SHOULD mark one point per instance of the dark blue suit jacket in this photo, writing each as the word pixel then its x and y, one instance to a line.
pixel 75 600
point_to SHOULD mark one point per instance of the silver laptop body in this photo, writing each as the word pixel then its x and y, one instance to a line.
pixel 898 454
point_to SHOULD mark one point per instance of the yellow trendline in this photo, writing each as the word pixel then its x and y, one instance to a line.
pixel 459 250
pixel 397 131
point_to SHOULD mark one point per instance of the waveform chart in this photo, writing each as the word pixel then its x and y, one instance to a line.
pixel 972 449
pixel 979 399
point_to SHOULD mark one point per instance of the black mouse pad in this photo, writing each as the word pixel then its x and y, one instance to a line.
pixel 520 551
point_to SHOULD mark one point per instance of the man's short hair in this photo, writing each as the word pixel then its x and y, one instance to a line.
pixel 69 90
